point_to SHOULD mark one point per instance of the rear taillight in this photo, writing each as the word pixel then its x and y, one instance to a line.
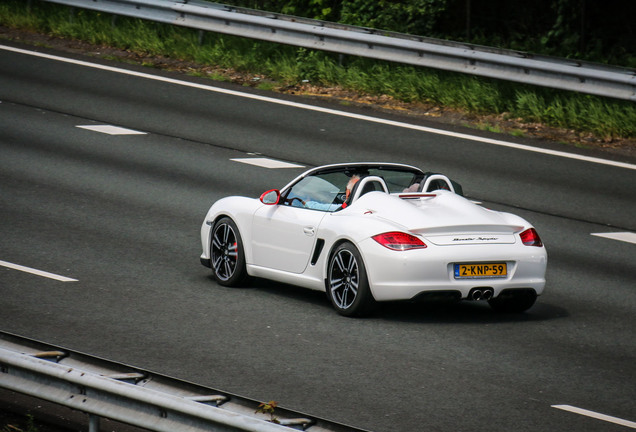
pixel 399 241
pixel 530 238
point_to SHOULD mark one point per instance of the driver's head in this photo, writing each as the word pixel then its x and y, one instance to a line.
pixel 352 181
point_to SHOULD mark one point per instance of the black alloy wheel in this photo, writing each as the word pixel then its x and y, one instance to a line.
pixel 227 254
pixel 347 283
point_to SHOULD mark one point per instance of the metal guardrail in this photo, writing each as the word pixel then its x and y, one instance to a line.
pixel 564 74
pixel 104 389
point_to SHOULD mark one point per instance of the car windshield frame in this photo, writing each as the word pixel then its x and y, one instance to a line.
pixel 324 188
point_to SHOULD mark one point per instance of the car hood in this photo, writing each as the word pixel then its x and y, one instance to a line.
pixel 438 215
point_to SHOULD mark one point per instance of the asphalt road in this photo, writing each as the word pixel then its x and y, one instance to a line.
pixel 120 214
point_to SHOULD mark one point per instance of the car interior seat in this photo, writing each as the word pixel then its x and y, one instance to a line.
pixel 366 185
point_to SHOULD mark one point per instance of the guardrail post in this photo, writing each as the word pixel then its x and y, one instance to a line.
pixel 93 423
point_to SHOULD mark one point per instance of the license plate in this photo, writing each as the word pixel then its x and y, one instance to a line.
pixel 481 270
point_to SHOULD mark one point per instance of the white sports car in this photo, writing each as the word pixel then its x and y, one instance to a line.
pixel 373 232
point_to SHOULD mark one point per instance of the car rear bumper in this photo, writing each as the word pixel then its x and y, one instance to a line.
pixel 405 275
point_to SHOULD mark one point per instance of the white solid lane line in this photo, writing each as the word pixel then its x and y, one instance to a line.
pixel 37 272
pixel 325 110
pixel 598 416
pixel 628 237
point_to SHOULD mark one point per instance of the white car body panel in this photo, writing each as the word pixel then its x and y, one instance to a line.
pixel 280 242
pixel 283 237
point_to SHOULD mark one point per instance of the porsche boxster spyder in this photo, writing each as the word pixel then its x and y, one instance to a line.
pixel 371 232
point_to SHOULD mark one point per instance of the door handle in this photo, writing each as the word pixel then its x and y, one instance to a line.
pixel 309 230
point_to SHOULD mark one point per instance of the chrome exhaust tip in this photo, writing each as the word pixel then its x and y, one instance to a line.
pixel 477 294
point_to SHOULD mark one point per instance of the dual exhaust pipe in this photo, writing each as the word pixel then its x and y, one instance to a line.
pixel 481 294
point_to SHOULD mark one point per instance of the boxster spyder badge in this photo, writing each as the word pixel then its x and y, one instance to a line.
pixel 371 232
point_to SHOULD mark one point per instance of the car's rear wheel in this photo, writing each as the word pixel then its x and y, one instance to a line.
pixel 347 283
pixel 227 255
pixel 514 301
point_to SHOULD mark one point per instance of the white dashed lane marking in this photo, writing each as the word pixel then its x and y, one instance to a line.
pixel 598 416
pixel 628 237
pixel 111 130
pixel 36 272
pixel 267 163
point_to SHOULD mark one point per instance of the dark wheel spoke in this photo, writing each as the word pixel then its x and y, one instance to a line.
pixel 217 264
pixel 229 270
pixel 338 261
pixel 352 268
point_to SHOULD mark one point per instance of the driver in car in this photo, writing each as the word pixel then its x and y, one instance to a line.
pixel 316 205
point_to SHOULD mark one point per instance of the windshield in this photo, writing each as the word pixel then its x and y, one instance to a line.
pixel 319 192
pixel 326 191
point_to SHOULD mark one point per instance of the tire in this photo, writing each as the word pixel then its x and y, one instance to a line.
pixel 513 301
pixel 347 283
pixel 227 256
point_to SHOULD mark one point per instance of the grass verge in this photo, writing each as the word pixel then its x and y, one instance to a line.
pixel 15 423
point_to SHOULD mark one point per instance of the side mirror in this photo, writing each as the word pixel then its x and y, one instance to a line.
pixel 270 197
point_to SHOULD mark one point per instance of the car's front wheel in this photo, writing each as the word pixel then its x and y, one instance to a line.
pixel 514 301
pixel 226 253
pixel 347 283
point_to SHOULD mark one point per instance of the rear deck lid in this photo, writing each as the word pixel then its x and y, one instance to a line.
pixel 472 238
pixel 444 218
